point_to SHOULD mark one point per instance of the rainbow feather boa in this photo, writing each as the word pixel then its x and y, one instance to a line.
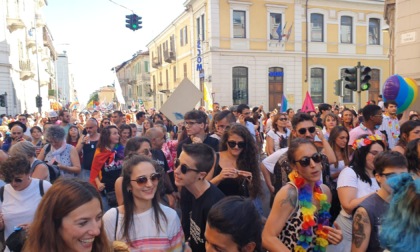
pixel 308 210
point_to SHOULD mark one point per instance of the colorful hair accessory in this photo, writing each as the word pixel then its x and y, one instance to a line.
pixel 308 211
pixel 361 142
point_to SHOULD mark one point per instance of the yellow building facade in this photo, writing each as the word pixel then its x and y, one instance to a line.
pixel 256 51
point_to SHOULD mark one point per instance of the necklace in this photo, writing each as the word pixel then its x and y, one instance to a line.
pixel 308 211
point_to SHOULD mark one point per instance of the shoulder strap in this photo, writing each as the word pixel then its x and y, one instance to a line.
pixel 116 224
pixel 35 164
pixel 41 187
pixel 47 149
pixel 1 193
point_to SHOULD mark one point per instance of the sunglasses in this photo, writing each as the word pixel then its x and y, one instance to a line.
pixel 184 167
pixel 305 161
pixel 387 175
pixel 283 119
pixel 16 180
pixel 232 144
pixel 143 179
pixel 302 131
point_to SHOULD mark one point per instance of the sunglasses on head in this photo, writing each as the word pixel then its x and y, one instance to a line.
pixel 184 167
pixel 232 144
pixel 305 161
pixel 302 131
pixel 143 179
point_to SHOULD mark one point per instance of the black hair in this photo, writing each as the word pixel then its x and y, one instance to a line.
pixel 202 154
pixel 140 115
pixel 241 107
pixel 300 117
pixel 237 217
pixel 370 110
pixel 390 102
pixel 389 159
pixel 197 115
pixel 412 156
pixel 323 107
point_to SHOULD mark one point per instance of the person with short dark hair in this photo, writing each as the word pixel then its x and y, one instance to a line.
pixel 324 109
pixel 21 195
pixel 64 117
pixel 140 117
pixel 368 215
pixel 390 123
pixel 233 224
pixel 196 123
pixel 118 118
pixel 372 120
pixel 244 113
pixel 198 195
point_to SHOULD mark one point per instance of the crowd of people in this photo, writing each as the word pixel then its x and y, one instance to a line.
pixel 336 179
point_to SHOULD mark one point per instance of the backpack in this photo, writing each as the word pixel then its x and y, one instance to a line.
pixel 52 168
pixel 41 190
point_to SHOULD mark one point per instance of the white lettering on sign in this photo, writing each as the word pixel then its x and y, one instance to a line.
pixel 199 59
pixel 408 37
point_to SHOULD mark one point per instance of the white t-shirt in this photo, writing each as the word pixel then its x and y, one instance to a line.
pixel 333 169
pixel 18 207
pixel 144 234
pixel 276 137
pixel 139 129
pixel 349 178
pixel 270 161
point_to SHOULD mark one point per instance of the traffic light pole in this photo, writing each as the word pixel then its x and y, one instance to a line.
pixel 359 91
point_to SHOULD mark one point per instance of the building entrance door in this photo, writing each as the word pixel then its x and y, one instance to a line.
pixel 275 87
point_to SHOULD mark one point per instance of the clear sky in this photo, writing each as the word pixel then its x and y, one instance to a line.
pixel 94 35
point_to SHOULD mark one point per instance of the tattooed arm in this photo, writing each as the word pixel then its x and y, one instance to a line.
pixel 284 204
pixel 361 230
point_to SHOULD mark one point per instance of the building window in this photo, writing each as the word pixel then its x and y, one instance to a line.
pixel 240 85
pixel 317 85
pixel 167 79
pixel 174 74
pixel 239 26
pixel 186 35
pixel 317 27
pixel 198 28
pixel 146 66
pixel 374 28
pixel 347 93
pixel 181 37
pixel 185 70
pixel 346 30
pixel 203 28
pixel 275 26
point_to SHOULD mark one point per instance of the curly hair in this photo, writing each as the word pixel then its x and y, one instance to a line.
pixel 248 158
pixel 358 163
pixel 14 166
pixel 55 132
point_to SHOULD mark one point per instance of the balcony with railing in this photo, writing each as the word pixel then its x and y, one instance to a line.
pixel 169 56
pixel 156 63
pixel 26 69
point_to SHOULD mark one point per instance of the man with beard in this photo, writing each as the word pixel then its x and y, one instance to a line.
pixel 64 117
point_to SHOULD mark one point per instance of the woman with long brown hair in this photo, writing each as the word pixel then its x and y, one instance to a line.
pixel 278 135
pixel 69 218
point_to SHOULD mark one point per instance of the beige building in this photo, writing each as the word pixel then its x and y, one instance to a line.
pixel 134 78
pixel 255 51
pixel 403 17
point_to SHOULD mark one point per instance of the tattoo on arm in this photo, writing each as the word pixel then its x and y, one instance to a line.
pixel 360 221
pixel 291 197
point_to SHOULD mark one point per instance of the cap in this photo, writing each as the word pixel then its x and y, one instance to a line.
pixel 52 114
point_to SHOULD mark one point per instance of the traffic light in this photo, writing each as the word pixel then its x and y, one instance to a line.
pixel 364 78
pixel 38 100
pixel 351 77
pixel 337 87
pixel 133 22
pixel 2 100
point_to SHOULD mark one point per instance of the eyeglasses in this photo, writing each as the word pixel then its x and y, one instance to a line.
pixel 190 123
pixel 374 153
pixel 283 119
pixel 146 152
pixel 16 180
pixel 302 131
pixel 143 179
pixel 184 167
pixel 387 175
pixel 232 144
pixel 305 161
